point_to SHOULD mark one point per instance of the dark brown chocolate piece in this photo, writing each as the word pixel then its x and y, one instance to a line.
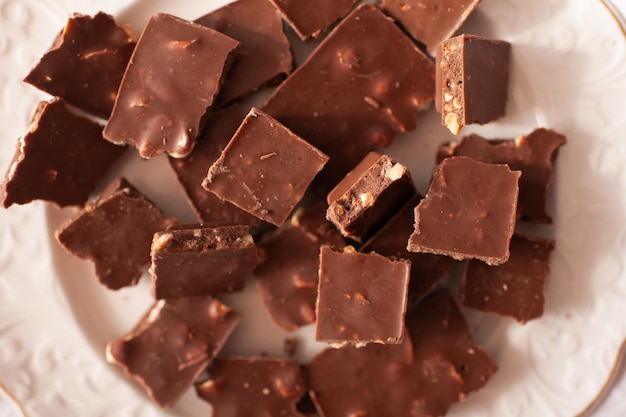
pixel 60 159
pixel 430 21
pixel 369 195
pixel 265 168
pixel 264 56
pixel 472 80
pixel 533 154
pixel 469 211
pixel 515 288
pixel 194 260
pixel 313 17
pixel 114 231
pixel 173 344
pixel 253 387
pixel 171 81
pixel 86 63
pixel 191 170
pixel 361 298
pixel 362 85
pixel 287 276
pixel 426 268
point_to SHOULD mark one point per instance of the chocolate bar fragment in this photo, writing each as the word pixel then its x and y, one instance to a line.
pixel 287 275
pixel 369 195
pixel 172 345
pixel 264 57
pixel 533 154
pixel 114 232
pixel 265 168
pixel 361 298
pixel 361 86
pixel 469 211
pixel 192 260
pixel 515 288
pixel 430 21
pixel 191 170
pixel 253 387
pixel 426 268
pixel 312 18
pixel 86 63
pixel 171 82
pixel 60 159
pixel 472 80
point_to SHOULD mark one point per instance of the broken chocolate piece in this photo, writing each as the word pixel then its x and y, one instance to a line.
pixel 361 298
pixel 171 82
pixel 264 56
pixel 194 260
pixel 313 17
pixel 369 195
pixel 430 21
pixel 265 168
pixel 361 86
pixel 86 63
pixel 287 275
pixel 60 159
pixel 469 211
pixel 253 387
pixel 426 268
pixel 515 288
pixel 533 154
pixel 173 343
pixel 114 231
pixel 472 80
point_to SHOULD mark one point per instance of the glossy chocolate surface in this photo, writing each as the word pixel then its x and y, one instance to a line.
pixel 311 19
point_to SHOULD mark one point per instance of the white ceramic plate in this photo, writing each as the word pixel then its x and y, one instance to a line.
pixel 568 73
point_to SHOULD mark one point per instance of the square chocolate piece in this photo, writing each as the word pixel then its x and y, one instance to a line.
pixel 264 56
pixel 265 168
pixel 313 17
pixel 172 345
pixel 472 80
pixel 253 387
pixel 86 63
pixel 469 211
pixel 171 82
pixel 60 159
pixel 114 231
pixel 369 195
pixel 361 298
pixel 192 260
pixel 515 288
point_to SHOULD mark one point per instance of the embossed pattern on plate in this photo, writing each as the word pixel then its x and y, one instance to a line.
pixel 569 73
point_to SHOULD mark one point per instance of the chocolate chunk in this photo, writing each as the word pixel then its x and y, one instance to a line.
pixel 114 231
pixel 312 18
pixel 191 170
pixel 430 21
pixel 253 387
pixel 468 212
pixel 86 63
pixel 361 298
pixel 264 56
pixel 426 268
pixel 533 154
pixel 172 79
pixel 287 276
pixel 362 85
pixel 193 260
pixel 265 168
pixel 173 343
pixel 60 159
pixel 472 80
pixel 369 195
pixel 515 288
